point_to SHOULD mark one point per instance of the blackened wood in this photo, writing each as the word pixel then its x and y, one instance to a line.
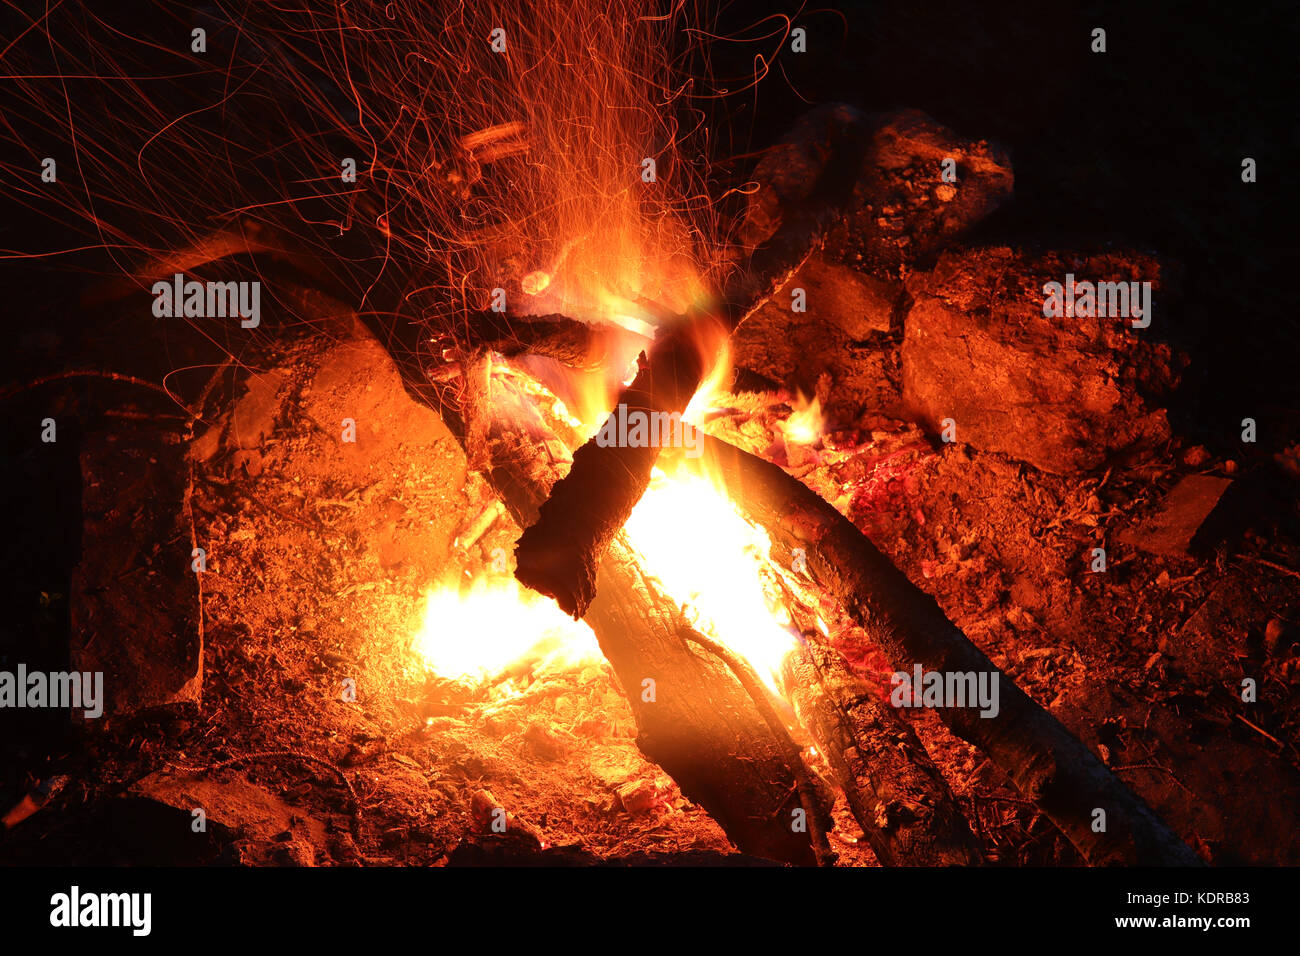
pixel 700 725
pixel 577 344
pixel 558 555
pixel 809 797
pixel 893 788
pixel 1047 763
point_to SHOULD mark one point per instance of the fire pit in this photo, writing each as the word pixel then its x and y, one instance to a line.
pixel 519 468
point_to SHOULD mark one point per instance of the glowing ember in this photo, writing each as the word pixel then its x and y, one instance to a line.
pixel 495 625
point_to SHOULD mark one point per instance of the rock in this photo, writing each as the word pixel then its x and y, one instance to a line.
pixel 903 211
pixel 791 170
pixel 1183 520
pixel 357 380
pixel 639 796
pixel 613 767
pixel 262 828
pixel 1280 637
pixel 490 817
pixel 1064 394
pixel 843 334
pixel 250 461
pixel 888 171
pixel 859 305
pixel 864 378
pixel 1215 633
pixel 134 598
pixel 542 742
pixel 254 416
pixel 205 447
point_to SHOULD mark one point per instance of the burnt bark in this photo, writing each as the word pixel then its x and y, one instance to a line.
pixel 893 788
pixel 576 344
pixel 559 553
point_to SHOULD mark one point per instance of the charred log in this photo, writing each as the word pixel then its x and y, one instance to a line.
pixel 894 790
pixel 577 344
pixel 560 551
pixel 1047 763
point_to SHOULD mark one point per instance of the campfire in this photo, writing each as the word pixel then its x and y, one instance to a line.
pixel 557 482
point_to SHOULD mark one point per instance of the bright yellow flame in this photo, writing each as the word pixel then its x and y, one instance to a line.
pixel 710 559
pixel 496 624
pixel 706 556
pixel 804 426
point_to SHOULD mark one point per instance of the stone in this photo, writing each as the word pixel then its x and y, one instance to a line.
pixel 263 829
pixel 791 170
pixel 638 796
pixel 843 334
pixel 358 380
pixel 1183 519
pixel 903 211
pixel 253 419
pixel 859 305
pixel 1063 394
pixel 1215 635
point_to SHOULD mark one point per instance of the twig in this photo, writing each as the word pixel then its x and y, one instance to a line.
pixel 1155 766
pixel 1260 730
pixel 1271 564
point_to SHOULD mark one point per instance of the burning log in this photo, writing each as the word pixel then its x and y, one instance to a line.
pixel 893 788
pixel 638 632
pixel 1047 763
pixel 576 344
pixel 694 718
pixel 731 768
pixel 560 552
pixel 807 789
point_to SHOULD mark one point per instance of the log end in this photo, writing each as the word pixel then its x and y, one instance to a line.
pixel 559 570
